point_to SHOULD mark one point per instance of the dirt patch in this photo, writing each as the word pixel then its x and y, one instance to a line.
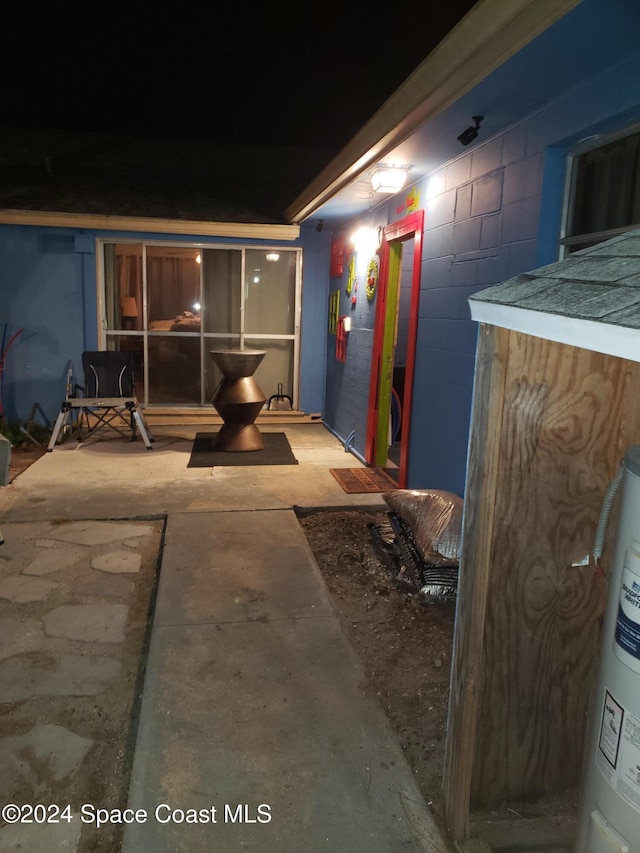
pixel 22 457
pixel 404 644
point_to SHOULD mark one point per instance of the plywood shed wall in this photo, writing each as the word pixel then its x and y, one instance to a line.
pixel 550 425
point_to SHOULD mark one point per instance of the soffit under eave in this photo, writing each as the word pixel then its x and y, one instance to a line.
pixel 100 222
pixel 484 39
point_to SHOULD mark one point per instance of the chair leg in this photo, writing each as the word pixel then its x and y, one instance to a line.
pixel 142 428
pixel 60 422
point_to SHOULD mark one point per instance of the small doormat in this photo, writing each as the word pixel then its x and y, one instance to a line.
pixel 277 451
pixel 356 481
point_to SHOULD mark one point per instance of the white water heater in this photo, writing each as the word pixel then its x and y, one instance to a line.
pixel 610 797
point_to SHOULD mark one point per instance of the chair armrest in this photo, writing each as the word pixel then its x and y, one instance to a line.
pixel 76 391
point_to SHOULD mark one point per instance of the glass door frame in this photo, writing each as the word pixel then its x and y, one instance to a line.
pixel 104 333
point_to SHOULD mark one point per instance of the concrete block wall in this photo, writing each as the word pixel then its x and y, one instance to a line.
pixel 491 213
pixel 347 393
pixel 481 224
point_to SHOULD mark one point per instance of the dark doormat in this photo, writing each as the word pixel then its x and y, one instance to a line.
pixel 277 451
pixel 356 481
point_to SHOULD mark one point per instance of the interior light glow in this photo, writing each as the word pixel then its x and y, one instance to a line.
pixel 196 306
pixel 198 259
pixel 256 279
pixel 273 256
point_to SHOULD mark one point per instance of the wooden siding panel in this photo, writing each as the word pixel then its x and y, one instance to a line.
pixel 466 676
pixel 563 432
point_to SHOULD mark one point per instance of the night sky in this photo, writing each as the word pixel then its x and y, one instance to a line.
pixel 304 75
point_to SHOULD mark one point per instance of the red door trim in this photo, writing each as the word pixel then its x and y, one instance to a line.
pixel 410 226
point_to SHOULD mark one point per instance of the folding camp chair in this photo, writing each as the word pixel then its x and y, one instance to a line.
pixel 107 399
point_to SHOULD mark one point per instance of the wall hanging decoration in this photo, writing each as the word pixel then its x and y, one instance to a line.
pixel 352 278
pixel 336 264
pixel 334 311
pixel 372 279
pixel 341 339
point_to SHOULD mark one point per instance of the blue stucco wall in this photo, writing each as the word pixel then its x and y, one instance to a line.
pixel 490 214
pixel 348 383
pixel 315 296
pixel 48 287
pixel 45 289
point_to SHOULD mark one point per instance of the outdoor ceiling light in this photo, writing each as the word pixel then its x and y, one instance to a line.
pixel 389 179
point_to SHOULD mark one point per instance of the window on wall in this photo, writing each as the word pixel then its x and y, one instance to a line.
pixel 604 194
pixel 170 304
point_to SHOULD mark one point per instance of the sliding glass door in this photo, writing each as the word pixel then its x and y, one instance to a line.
pixel 171 304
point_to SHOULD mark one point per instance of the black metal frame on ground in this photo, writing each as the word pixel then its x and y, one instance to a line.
pixel 396 546
pixel 105 411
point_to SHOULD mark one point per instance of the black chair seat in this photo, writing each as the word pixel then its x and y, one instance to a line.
pixel 107 400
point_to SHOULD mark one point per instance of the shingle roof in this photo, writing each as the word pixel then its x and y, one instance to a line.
pixel 74 172
pixel 601 283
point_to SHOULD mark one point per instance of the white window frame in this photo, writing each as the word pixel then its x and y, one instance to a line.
pixel 583 147
pixel 103 332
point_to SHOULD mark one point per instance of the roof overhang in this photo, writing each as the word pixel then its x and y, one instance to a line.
pixel 100 222
pixel 621 341
pixel 491 32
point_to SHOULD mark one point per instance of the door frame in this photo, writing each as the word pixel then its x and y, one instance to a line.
pixel 409 227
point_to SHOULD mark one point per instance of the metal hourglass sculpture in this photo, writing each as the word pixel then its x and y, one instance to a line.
pixel 238 399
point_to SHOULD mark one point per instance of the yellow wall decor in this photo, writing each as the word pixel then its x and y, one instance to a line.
pixel 351 280
pixel 334 311
pixel 372 278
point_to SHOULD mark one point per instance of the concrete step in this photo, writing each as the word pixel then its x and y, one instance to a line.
pixel 207 416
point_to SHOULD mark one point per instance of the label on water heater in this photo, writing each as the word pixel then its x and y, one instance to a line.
pixel 627 636
pixel 618 754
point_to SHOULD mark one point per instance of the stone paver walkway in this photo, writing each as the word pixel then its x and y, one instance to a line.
pixel 73 608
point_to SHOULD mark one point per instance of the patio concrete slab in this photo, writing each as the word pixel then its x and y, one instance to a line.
pixel 259 701
pixel 122 479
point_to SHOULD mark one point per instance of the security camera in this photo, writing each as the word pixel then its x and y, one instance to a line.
pixel 471 132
